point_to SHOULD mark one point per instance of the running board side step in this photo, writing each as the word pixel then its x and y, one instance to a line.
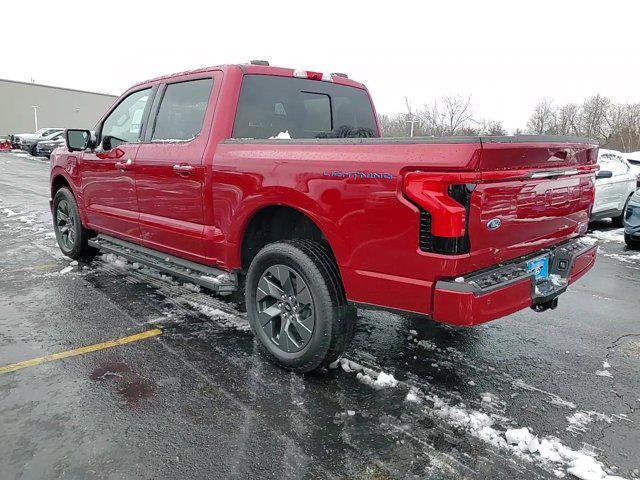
pixel 208 277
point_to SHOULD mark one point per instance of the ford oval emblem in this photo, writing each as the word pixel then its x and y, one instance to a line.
pixel 494 223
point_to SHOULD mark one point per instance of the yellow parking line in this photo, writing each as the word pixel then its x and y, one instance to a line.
pixel 34 267
pixel 80 351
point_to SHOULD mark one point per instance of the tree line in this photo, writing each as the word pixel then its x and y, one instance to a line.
pixel 451 115
pixel 614 125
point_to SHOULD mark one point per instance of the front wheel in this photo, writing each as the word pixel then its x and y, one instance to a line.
pixel 296 305
pixel 71 235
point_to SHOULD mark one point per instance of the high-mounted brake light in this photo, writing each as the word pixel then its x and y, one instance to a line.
pixel 326 77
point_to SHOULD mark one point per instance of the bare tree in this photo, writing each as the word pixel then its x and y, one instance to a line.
pixel 492 127
pixel 543 118
pixel 447 117
pixel 457 112
pixel 568 119
pixel 595 121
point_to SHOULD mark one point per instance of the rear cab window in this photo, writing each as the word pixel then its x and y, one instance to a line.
pixel 285 107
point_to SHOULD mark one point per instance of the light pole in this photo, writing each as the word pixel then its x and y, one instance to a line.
pixel 412 122
pixel 35 116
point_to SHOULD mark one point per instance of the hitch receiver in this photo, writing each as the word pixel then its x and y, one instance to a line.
pixel 544 306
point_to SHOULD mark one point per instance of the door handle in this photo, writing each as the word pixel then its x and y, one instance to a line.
pixel 124 165
pixel 182 169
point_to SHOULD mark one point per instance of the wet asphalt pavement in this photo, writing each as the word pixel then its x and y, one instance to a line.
pixel 199 401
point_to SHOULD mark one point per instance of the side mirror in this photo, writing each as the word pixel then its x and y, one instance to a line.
pixel 77 140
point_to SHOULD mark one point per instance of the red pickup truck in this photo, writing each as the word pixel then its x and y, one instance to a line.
pixel 275 181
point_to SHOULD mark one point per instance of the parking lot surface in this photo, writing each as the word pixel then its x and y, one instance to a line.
pixel 199 401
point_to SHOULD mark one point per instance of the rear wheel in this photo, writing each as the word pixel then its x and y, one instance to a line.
pixel 71 235
pixel 631 243
pixel 33 150
pixel 296 305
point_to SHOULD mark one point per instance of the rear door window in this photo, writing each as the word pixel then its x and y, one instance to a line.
pixel 286 107
pixel 182 110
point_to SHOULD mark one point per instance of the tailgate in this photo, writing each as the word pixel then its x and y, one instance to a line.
pixel 532 194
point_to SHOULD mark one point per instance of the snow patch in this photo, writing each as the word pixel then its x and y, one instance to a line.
pixel 114 260
pixel 383 380
pixel 521 442
pixel 616 235
pixel 412 397
pixel 604 373
pixel 516 435
pixel 282 136
pixel 426 344
pixel 223 318
pixel 579 421
pixel 377 380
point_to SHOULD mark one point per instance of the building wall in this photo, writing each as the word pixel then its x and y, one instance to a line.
pixel 57 107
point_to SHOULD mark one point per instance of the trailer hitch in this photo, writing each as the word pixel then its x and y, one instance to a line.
pixel 544 306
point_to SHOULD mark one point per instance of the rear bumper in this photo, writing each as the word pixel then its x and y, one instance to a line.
pixel 498 291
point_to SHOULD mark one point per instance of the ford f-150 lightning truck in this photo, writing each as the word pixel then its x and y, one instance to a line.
pixel 276 182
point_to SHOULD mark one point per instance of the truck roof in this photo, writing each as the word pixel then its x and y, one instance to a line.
pixel 251 69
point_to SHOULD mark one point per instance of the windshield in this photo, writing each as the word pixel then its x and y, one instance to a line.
pixel 285 107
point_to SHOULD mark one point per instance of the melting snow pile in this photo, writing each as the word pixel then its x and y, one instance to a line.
pixel 522 442
pixel 115 260
pixel 377 380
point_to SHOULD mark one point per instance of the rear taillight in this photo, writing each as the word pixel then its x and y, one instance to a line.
pixel 312 75
pixel 444 200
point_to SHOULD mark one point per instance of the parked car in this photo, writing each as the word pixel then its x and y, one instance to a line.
pixel 633 159
pixel 28 143
pixel 632 222
pixel 45 147
pixel 262 179
pixel 615 183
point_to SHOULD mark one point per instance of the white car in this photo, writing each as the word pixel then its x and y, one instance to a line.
pixel 20 139
pixel 615 184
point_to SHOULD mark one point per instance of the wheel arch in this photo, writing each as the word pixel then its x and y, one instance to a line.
pixel 60 179
pixel 277 221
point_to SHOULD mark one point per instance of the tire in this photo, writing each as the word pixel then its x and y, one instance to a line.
pixel 71 235
pixel 632 244
pixel 32 151
pixel 313 325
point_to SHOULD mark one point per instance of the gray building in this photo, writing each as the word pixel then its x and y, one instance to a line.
pixel 22 102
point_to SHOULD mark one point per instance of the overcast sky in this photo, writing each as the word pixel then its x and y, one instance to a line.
pixel 507 55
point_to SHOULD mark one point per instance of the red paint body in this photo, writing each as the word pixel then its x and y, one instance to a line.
pixel 372 225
